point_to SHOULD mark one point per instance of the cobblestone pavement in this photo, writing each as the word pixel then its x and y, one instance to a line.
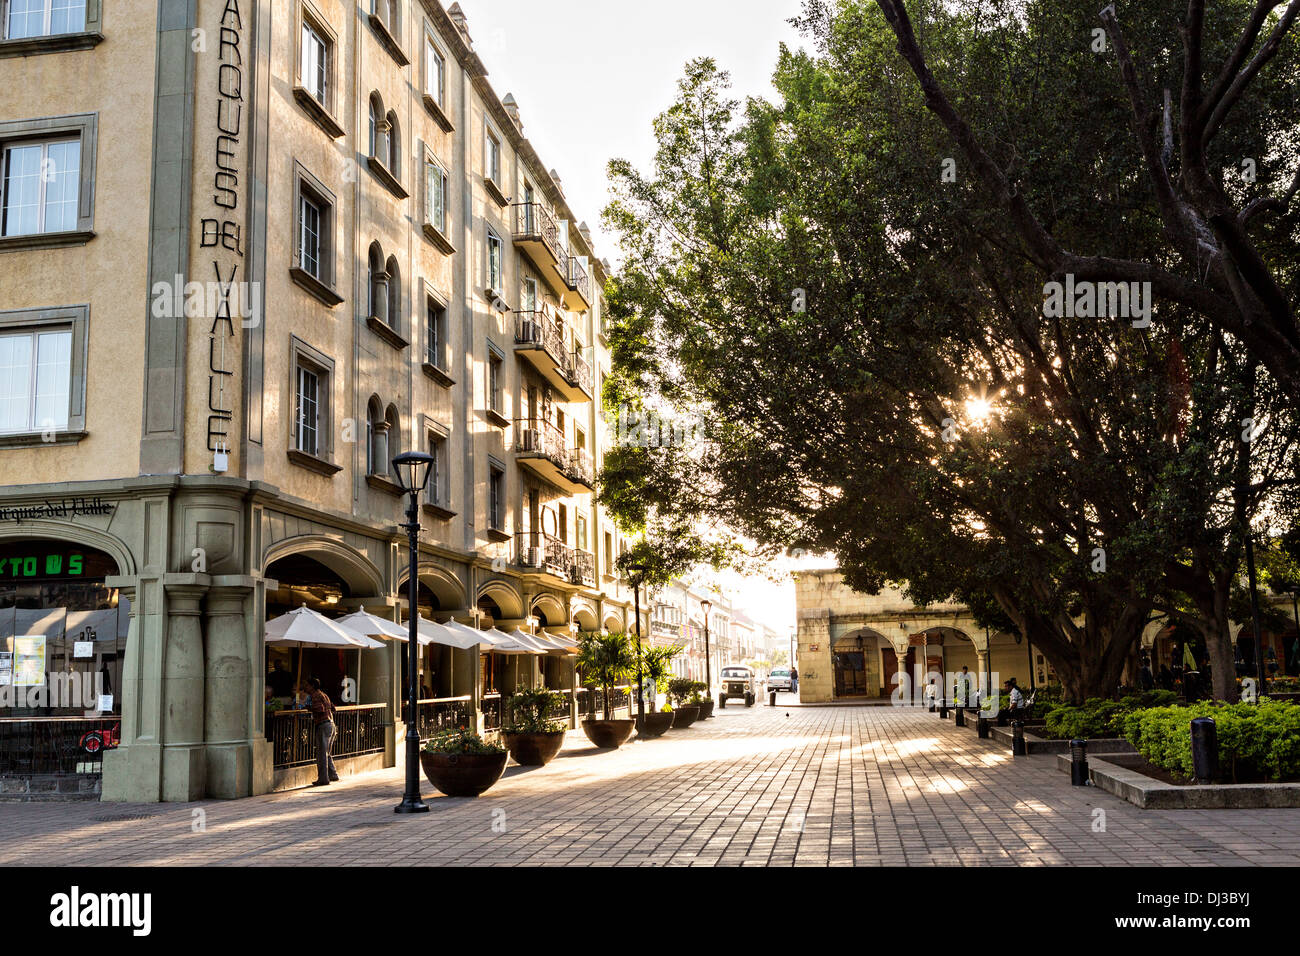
pixel 786 786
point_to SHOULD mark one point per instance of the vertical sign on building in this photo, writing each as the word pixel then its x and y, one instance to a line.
pixel 221 207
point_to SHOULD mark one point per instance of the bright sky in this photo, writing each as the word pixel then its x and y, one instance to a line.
pixel 591 75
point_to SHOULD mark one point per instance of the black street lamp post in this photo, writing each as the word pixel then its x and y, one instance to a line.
pixel 639 571
pixel 708 669
pixel 412 470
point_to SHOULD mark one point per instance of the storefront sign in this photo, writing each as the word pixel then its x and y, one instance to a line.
pixel 64 508
pixel 29 660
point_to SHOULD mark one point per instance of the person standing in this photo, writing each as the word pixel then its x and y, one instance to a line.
pixel 963 687
pixel 322 718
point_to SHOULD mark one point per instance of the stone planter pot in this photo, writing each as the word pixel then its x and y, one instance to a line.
pixel 706 709
pixel 463 775
pixel 609 734
pixel 655 725
pixel 685 715
pixel 534 750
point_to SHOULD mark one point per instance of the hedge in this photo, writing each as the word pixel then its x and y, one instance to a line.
pixel 1256 741
pixel 1097 717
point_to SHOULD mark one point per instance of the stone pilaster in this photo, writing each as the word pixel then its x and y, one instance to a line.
pixel 183 672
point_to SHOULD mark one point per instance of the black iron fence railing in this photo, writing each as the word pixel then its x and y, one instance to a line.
pixel 437 714
pixel 620 698
pixel 539 330
pixel 584 568
pixel 539 437
pixel 544 552
pixel 360 730
pixel 36 745
pixel 580 372
pixel 576 278
pixel 532 221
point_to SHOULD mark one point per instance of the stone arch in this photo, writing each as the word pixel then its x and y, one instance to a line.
pixel 358 571
pixel 551 606
pixel 612 621
pixel 505 596
pixel 47 529
pixel 584 613
pixel 448 588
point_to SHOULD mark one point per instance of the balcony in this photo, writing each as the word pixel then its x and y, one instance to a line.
pixel 540 447
pixel 583 570
pixel 577 286
pixel 537 235
pixel 540 341
pixel 545 553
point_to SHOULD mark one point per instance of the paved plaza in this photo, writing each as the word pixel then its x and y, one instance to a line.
pixel 791 785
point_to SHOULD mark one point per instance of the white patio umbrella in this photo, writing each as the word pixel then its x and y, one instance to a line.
pixel 543 642
pixel 373 625
pixel 307 628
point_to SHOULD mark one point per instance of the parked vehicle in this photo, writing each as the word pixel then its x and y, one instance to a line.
pixel 779 679
pixel 737 683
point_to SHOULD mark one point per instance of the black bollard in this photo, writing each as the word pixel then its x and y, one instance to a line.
pixel 1079 762
pixel 1205 750
pixel 943 709
pixel 960 717
pixel 771 698
pixel 1017 739
pixel 1004 717
pixel 982 728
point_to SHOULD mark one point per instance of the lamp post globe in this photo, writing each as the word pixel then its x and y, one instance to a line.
pixel 412 470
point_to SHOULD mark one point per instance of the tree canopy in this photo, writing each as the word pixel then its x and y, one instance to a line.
pixel 858 323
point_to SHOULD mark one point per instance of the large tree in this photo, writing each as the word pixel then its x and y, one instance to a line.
pixel 921 417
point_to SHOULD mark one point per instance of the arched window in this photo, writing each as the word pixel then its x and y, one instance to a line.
pixel 378 141
pixel 376 284
pixel 376 438
pixel 394 294
pixel 393 159
pixel 393 426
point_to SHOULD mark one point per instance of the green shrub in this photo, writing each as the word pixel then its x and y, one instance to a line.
pixel 461 741
pixel 536 711
pixel 1256 741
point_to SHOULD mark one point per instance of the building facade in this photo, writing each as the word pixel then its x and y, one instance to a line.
pixel 853 645
pixel 248 254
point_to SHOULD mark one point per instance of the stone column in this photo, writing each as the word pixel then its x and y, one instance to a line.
pixel 902 690
pixel 183 761
pixel 227 718
pixel 133 770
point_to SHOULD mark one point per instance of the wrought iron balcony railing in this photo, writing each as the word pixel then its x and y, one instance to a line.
pixel 533 222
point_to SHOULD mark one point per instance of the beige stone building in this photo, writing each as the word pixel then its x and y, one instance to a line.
pixel 248 254
pixel 853 645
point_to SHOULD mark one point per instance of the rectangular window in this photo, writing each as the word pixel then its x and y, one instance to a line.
pixel 42 18
pixel 41 187
pixel 35 380
pixel 494 255
pixel 492 157
pixel 581 532
pixel 315 64
pixel 496 499
pixel 309 250
pixel 530 297
pixel 438 470
pixel 435 195
pixel 436 330
pixel 609 554
pixel 494 382
pixel 435 71
pixel 308 412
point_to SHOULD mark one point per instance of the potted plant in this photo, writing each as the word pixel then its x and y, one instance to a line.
pixel 700 697
pixel 606 660
pixel 680 689
pixel 531 734
pixel 655 664
pixel 460 763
